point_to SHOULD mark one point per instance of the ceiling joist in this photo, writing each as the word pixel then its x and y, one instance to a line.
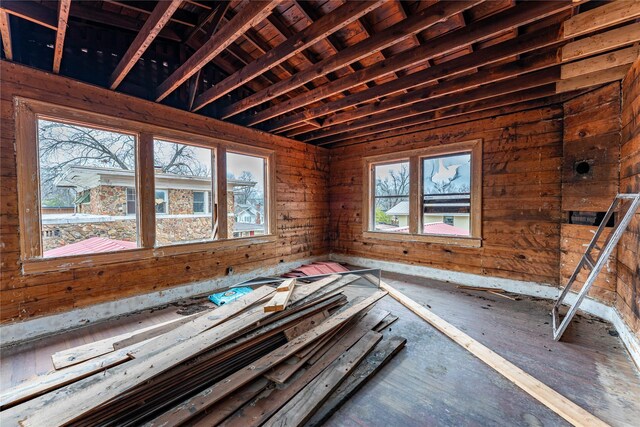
pixel 317 31
pixel 252 13
pixel 605 16
pixel 152 27
pixel 63 17
pixel 5 32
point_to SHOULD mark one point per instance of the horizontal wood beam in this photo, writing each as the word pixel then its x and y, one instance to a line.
pixel 463 83
pixel 529 42
pixel 373 125
pixel 482 30
pixel 105 17
pixel 320 29
pixel 601 17
pixel 63 18
pixel 601 42
pixel 465 113
pixel 31 11
pixel 465 109
pixel 252 13
pixel 5 32
pixel 600 62
pixel 388 37
pixel 592 79
pixel 152 27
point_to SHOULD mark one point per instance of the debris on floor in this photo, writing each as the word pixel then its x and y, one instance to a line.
pixel 236 365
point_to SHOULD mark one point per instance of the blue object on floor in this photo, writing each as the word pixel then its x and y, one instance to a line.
pixel 222 298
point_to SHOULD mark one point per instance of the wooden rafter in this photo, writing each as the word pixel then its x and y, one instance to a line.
pixel 63 17
pixel 481 30
pixel 392 35
pixel 5 32
pixel 328 24
pixel 31 11
pixel 250 15
pixel 155 22
pixel 602 17
pixel 602 42
pixel 527 43
pixel 395 117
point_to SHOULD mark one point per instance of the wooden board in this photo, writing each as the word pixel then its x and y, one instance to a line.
pixel 543 393
pixel 75 355
pixel 299 409
pixel 374 361
pixel 286 285
pixel 281 298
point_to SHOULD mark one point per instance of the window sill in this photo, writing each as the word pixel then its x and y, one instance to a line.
pixel 468 242
pixel 45 265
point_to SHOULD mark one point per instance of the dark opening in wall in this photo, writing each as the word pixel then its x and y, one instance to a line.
pixel 589 218
pixel 583 168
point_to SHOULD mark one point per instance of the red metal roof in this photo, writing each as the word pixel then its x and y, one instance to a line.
pixel 91 245
pixel 317 268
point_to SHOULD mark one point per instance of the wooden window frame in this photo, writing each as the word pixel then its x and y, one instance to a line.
pixel 269 184
pixel 415 157
pixel 28 111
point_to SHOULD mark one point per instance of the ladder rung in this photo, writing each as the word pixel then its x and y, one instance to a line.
pixel 590 262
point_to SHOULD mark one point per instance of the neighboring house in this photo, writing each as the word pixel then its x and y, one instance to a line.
pixel 448 209
pixel 105 206
pixel 248 214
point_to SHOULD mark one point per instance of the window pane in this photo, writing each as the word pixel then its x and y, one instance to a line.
pixel 84 176
pixel 246 208
pixel 394 219
pixel 131 201
pixel 181 172
pixel 447 195
pixel 391 201
pixel 199 202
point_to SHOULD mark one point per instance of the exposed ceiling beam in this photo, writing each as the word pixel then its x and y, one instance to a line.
pixel 31 11
pixel 252 13
pixel 361 126
pixel 512 103
pixel 601 17
pixel 464 108
pixel 5 32
pixel 602 42
pixel 155 22
pixel 63 18
pixel 529 42
pixel 104 17
pixel 214 15
pixel 606 75
pixel 181 17
pixel 512 18
pixel 600 62
pixel 388 37
pixel 329 23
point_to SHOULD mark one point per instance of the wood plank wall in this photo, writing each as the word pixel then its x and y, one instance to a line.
pixel 521 201
pixel 301 204
pixel 592 135
pixel 628 289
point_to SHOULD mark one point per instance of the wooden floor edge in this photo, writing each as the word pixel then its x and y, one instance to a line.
pixel 535 388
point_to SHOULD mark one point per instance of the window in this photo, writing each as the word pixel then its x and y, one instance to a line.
pixel 431 194
pixel 108 184
pixel 391 197
pixel 161 201
pixel 131 201
pixel 184 187
pixel 246 179
pixel 76 161
pixel 446 194
pixel 199 202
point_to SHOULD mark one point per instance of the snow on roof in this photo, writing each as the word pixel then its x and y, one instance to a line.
pixel 91 245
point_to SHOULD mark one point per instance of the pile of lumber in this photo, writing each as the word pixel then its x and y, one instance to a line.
pixel 237 365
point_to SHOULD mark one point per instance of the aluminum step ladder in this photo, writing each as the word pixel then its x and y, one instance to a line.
pixel 594 266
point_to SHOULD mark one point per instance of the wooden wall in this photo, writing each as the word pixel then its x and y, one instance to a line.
pixel 628 289
pixel 301 204
pixel 591 135
pixel 521 201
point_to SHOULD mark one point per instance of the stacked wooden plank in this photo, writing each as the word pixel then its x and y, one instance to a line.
pixel 236 365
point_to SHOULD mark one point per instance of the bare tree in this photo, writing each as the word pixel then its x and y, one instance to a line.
pixel 246 194
pixel 64 144
pixel 396 184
